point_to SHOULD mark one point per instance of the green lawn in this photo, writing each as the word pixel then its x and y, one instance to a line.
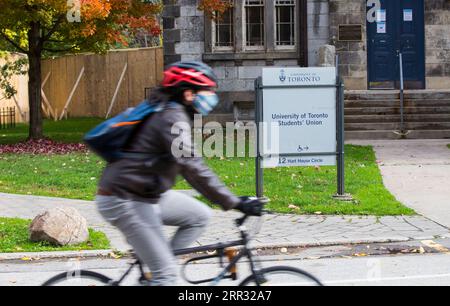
pixel 311 189
pixel 14 238
pixel 68 131
pixel 73 176
pixel 448 146
pixel 76 175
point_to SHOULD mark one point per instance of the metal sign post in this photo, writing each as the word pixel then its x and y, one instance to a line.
pixel 339 152
pixel 341 195
pixel 258 117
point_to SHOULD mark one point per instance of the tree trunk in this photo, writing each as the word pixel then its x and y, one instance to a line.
pixel 35 81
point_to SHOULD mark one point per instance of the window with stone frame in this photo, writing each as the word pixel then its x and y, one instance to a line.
pixel 223 34
pixel 254 23
pixel 269 29
pixel 285 24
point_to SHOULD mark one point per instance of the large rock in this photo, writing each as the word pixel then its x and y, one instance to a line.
pixel 327 56
pixel 60 226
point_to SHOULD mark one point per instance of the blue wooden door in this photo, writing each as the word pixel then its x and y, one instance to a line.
pixel 398 26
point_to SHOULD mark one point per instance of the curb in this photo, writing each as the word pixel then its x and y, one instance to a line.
pixel 329 243
pixel 54 255
pixel 126 254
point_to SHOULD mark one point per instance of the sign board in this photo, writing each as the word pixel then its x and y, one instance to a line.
pixel 301 103
pixel 350 32
pixel 381 28
pixel 381 15
pixel 408 15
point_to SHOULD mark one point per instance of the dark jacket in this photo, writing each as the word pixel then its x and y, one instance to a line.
pixel 146 179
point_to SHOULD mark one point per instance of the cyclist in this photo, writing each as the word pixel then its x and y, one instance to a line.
pixel 135 194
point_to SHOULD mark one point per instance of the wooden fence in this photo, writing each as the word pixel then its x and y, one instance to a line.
pixel 91 85
pixel 7 117
pixel 20 100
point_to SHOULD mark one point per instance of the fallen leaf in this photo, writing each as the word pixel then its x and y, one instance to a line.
pixel 115 255
pixel 294 207
pixel 283 250
pixel 26 259
pixel 42 146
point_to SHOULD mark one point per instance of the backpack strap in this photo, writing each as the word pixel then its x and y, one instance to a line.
pixel 150 156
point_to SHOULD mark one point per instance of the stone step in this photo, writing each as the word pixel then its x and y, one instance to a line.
pixel 396 126
pixel 395 94
pixel 396 103
pixel 377 134
pixel 427 95
pixel 369 95
pixel 396 110
pixel 396 118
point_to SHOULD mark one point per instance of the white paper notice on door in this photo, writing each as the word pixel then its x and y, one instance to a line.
pixel 381 27
pixel 381 15
pixel 407 15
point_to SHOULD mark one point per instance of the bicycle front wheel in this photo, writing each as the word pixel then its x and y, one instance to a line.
pixel 79 279
pixel 282 276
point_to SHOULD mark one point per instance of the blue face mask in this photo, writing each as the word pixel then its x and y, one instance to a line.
pixel 205 104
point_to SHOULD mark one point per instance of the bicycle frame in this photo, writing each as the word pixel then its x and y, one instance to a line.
pixel 245 251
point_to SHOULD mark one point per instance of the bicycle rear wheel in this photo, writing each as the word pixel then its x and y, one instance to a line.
pixel 283 276
pixel 79 279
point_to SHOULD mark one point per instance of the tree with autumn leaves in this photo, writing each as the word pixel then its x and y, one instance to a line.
pixel 40 28
pixel 46 27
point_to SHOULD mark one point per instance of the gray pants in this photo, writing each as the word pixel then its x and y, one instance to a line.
pixel 142 225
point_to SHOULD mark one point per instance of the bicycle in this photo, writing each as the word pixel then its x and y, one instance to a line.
pixel 258 277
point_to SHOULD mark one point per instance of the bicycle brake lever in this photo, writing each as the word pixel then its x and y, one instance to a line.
pixel 241 221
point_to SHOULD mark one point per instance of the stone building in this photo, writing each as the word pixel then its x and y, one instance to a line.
pixel 252 35
pixel 368 36
pixel 419 29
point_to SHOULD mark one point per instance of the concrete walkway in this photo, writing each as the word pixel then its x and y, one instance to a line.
pixel 417 172
pixel 277 230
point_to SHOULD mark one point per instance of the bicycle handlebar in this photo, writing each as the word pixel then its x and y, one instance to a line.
pixel 241 221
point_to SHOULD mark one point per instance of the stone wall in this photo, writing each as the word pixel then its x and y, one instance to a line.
pixel 184 39
pixel 353 55
pixel 437 43
pixel 318 28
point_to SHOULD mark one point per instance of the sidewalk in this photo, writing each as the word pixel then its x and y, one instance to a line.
pixel 277 230
pixel 417 173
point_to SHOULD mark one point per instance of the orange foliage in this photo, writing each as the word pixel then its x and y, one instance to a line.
pixel 126 14
pixel 214 8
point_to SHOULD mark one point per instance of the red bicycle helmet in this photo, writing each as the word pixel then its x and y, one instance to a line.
pixel 189 74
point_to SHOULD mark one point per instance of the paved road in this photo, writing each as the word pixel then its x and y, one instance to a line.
pixel 277 230
pixel 410 270
pixel 417 172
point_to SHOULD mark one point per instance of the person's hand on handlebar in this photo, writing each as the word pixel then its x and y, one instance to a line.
pixel 251 206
